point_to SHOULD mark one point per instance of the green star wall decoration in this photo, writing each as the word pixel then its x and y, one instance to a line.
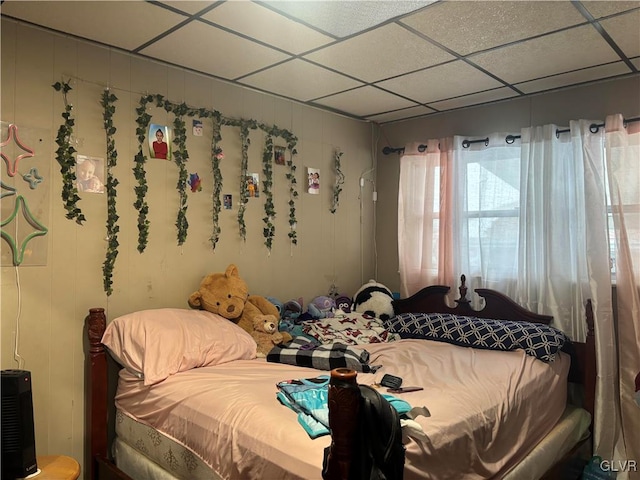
pixel 18 251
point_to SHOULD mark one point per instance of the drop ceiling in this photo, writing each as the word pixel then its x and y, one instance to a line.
pixel 379 61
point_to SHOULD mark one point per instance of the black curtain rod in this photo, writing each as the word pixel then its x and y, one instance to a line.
pixel 593 128
pixel 467 143
pixel 512 138
pixel 388 150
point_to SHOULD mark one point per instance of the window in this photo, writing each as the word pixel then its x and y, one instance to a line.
pixel 488 191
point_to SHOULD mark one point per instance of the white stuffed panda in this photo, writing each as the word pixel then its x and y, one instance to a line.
pixel 374 299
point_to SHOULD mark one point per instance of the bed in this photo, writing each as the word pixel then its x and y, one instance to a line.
pixel 473 397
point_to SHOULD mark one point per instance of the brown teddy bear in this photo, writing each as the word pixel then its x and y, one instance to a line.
pixel 227 295
pixel 265 333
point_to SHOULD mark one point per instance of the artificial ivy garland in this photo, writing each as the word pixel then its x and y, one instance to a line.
pixel 337 186
pixel 180 156
pixel 244 194
pixel 108 100
pixel 64 156
pixel 293 191
pixel 269 229
pixel 267 161
pixel 139 173
pixel 216 156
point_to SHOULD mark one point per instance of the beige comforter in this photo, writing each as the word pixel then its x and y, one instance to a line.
pixel 488 410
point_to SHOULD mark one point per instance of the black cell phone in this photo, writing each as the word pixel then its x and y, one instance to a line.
pixel 391 381
pixel 404 389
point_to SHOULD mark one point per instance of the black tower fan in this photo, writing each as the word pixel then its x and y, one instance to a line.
pixel 18 434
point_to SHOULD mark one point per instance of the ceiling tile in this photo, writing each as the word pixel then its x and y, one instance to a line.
pixel 572 78
pixel 472 26
pixel 535 45
pixel 210 50
pixel 555 53
pixel 80 19
pixel 625 31
pixel 602 9
pixel 397 51
pixel 438 83
pixel 342 19
pixel 401 114
pixel 365 101
pixel 300 80
pixel 189 6
pixel 475 99
pixel 258 22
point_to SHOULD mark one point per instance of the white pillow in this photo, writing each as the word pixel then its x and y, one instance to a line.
pixel 155 344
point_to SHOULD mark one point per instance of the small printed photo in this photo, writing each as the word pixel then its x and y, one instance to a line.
pixel 253 183
pixel 278 155
pixel 90 174
pixel 159 140
pixel 313 175
pixel 227 201
pixel 197 128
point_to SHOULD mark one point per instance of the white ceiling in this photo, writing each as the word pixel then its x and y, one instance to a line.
pixel 374 60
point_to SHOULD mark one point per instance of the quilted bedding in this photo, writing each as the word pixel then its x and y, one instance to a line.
pixel 350 329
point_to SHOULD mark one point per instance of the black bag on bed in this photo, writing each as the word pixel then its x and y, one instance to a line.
pixel 379 448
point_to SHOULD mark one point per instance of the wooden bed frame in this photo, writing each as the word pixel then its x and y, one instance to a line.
pixel 101 381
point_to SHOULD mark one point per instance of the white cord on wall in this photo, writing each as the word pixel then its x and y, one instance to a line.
pixel 374 142
pixel 16 356
pixel 361 197
pixel 374 148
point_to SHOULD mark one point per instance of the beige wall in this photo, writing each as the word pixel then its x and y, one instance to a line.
pixel 592 102
pixel 55 297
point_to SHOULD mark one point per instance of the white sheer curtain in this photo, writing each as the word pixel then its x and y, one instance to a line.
pixel 531 220
pixel 485 213
pixel 623 164
pixel 553 275
pixel 564 254
pixel 606 421
pixel 424 236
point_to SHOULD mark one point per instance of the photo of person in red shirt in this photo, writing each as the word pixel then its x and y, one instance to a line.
pixel 160 147
pixel 159 142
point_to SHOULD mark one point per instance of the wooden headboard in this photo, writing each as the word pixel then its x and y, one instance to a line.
pixel 343 397
pixel 498 306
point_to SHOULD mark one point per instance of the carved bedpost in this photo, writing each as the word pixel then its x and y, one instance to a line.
pixel 96 407
pixel 463 301
pixel 344 404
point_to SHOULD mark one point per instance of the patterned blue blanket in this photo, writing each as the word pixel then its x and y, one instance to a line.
pixel 308 397
pixel 538 340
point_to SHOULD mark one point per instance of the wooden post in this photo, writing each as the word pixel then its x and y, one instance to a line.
pixel 344 405
pixel 96 407
pixel 589 368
